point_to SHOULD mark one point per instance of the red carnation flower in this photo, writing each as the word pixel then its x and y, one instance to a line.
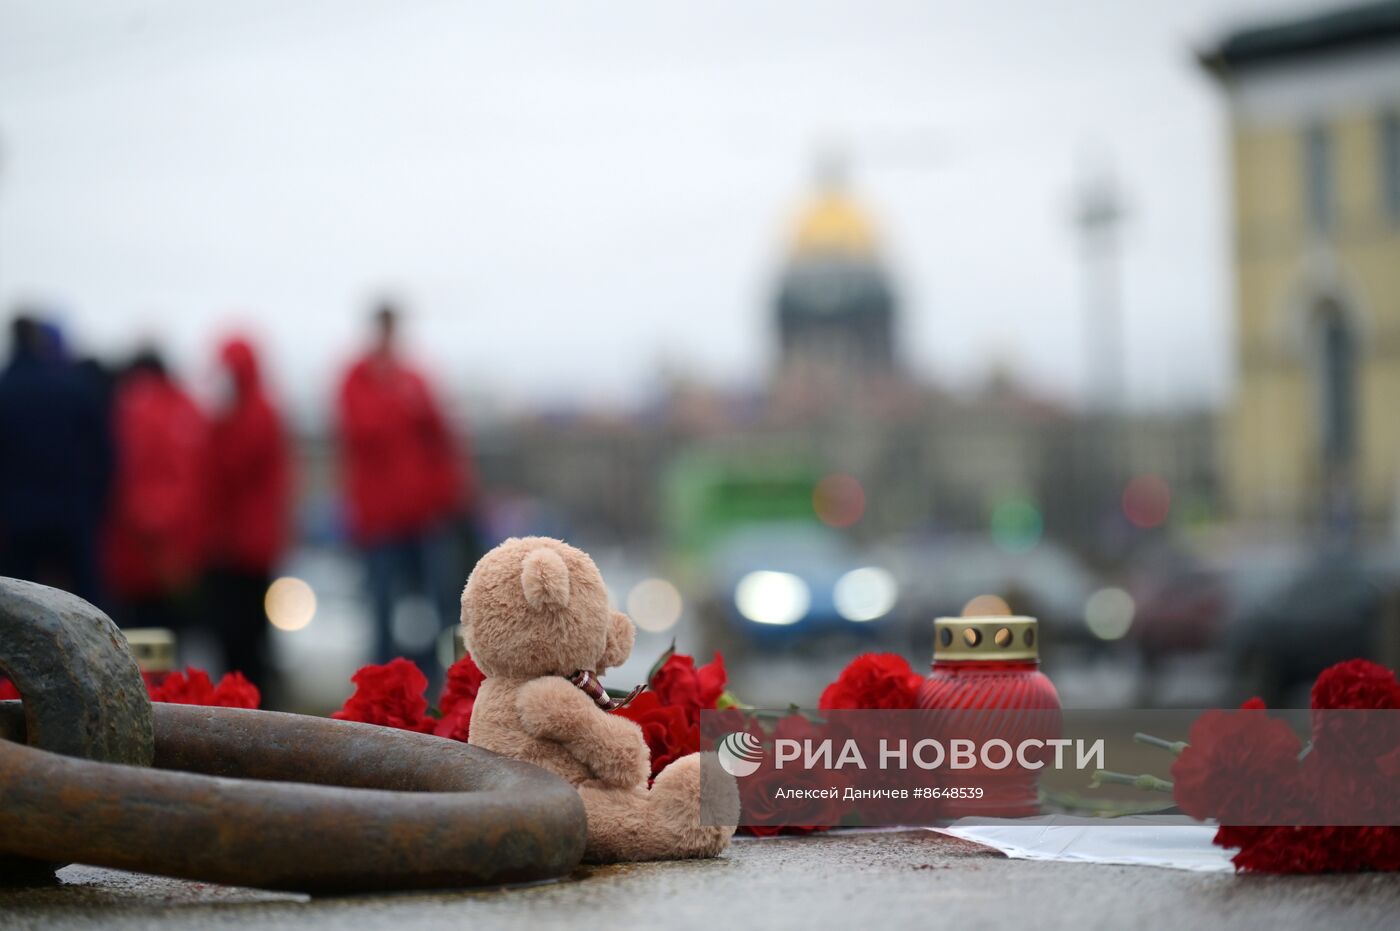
pixel 235 691
pixel 679 683
pixel 668 730
pixel 458 698
pixel 766 814
pixel 194 687
pixel 1237 766
pixel 1341 696
pixel 464 680
pixel 876 681
pixel 768 830
pixel 390 695
pixel 1352 757
pixel 1312 849
pixel 1357 683
pixel 454 725
pixel 799 728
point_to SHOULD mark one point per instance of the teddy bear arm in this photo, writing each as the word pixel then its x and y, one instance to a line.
pixel 549 709
pixel 610 747
pixel 619 755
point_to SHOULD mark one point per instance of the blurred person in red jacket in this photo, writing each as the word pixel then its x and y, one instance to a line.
pixel 157 520
pixel 249 493
pixel 405 484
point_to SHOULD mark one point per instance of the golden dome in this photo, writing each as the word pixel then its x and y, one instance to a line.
pixel 834 224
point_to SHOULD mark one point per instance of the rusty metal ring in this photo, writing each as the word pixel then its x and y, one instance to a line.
pixel 283 801
pixel 83 691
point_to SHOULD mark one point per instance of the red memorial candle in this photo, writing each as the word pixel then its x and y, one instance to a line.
pixel 986 685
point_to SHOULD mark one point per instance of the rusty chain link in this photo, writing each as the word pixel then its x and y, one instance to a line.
pixel 254 798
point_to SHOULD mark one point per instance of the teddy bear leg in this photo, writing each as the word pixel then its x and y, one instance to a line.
pixel 675 806
pixel 619 826
pixel 665 822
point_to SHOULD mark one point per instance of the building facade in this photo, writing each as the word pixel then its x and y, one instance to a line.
pixel 1313 437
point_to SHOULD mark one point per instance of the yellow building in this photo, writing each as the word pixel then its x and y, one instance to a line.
pixel 1314 111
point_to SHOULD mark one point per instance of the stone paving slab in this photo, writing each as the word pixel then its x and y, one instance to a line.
pixel 914 879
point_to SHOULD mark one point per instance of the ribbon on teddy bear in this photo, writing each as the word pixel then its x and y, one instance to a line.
pixel 591 687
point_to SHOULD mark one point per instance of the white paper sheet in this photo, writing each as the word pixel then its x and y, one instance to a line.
pixel 1127 842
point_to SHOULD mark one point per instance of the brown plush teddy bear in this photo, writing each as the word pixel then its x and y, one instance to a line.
pixel 536 619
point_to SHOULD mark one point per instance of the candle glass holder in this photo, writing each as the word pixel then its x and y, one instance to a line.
pixel 985 685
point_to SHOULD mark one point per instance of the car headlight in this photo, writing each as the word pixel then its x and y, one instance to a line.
pixel 766 597
pixel 865 594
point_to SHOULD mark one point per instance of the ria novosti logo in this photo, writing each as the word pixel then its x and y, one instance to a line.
pixel 740 753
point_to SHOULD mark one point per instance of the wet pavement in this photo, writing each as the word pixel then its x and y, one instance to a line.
pixel 913 879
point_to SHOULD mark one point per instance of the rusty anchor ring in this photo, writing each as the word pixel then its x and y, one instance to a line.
pixel 271 800
pixel 84 691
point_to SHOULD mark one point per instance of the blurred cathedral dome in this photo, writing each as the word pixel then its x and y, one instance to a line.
pixel 833 224
pixel 835 308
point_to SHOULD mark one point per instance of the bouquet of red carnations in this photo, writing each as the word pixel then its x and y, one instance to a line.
pixel 191 687
pixel 1326 805
pixel 1239 767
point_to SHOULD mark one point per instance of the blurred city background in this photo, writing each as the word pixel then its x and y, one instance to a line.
pixel 810 321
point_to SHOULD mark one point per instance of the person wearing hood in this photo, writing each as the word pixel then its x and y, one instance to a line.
pixel 249 498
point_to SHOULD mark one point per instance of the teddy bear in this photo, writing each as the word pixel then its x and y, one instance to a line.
pixel 536 619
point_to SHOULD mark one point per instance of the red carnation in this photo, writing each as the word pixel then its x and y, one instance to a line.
pixel 193 687
pixel 669 732
pixel 768 830
pixel 1237 766
pixel 1357 683
pixel 458 698
pixel 1341 729
pixel 799 728
pixel 464 680
pixel 875 681
pixel 1351 758
pixel 679 683
pixel 1313 849
pixel 390 695
pixel 454 725
pixel 235 691
pixel 765 814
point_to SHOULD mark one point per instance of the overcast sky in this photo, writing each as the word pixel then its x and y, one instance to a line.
pixel 575 197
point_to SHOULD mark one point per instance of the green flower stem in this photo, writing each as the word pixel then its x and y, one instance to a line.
pixel 1174 747
pixel 1146 782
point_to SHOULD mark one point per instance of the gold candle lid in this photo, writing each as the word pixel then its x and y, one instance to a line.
pixel 153 647
pixel 986 638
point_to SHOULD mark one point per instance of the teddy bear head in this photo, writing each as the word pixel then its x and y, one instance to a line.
pixel 535 606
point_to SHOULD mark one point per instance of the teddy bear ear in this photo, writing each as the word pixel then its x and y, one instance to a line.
pixel 621 633
pixel 545 579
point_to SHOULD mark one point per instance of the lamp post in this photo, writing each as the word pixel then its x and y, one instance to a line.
pixel 1098 217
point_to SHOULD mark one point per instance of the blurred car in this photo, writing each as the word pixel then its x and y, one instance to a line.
pixel 1179 612
pixel 1331 611
pixel 943 575
pixel 776 582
